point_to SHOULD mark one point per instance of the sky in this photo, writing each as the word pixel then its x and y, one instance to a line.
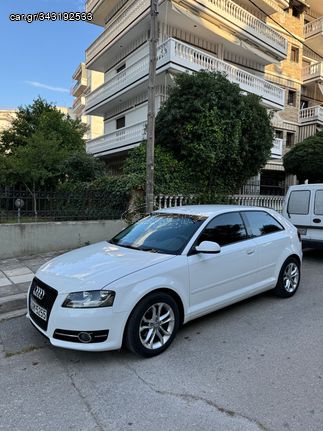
pixel 39 59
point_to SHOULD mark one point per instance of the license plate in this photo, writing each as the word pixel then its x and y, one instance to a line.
pixel 302 230
pixel 38 310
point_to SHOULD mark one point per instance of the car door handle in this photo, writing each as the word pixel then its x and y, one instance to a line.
pixel 251 251
pixel 317 220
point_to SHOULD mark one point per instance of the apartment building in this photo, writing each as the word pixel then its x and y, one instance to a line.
pixel 86 82
pixel 258 44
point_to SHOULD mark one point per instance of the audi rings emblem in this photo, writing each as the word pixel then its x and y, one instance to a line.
pixel 38 292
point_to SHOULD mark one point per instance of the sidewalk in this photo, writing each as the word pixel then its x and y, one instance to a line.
pixel 15 277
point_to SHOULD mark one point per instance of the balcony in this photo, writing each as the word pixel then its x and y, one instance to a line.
pixel 122 20
pixel 313 73
pixel 101 9
pixel 177 56
pixel 313 32
pixel 117 141
pixel 223 13
pixel 277 149
pixel 268 6
pixel 313 115
pixel 79 105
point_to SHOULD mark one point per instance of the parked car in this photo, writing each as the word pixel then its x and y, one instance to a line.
pixel 166 269
pixel 303 206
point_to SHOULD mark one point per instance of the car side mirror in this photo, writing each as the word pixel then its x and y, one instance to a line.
pixel 208 247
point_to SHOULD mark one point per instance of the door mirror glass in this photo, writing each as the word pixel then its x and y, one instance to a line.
pixel 208 247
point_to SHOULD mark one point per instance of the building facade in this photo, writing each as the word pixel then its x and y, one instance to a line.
pixel 271 48
pixel 86 82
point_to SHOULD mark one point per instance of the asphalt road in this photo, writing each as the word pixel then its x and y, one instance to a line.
pixel 257 365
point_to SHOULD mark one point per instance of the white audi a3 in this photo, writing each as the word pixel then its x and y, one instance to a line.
pixel 168 268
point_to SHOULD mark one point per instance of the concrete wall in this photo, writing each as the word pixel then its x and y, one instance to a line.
pixel 31 238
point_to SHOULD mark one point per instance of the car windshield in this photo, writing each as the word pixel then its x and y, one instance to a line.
pixel 160 233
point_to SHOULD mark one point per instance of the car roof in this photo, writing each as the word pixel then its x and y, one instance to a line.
pixel 208 210
pixel 305 186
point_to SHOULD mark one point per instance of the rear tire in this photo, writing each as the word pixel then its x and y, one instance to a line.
pixel 289 278
pixel 152 325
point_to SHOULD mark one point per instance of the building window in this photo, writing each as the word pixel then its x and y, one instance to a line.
pixel 279 134
pixel 291 98
pixel 290 140
pixel 120 123
pixel 304 104
pixel 120 68
pixel 294 54
pixel 296 11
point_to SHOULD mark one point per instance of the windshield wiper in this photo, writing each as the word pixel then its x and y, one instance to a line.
pixel 151 250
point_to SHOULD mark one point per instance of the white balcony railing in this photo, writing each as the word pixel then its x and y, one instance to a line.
pixel 239 16
pixel 228 12
pixel 118 139
pixel 314 71
pixel 277 148
pixel 132 10
pixel 181 56
pixel 313 114
pixel 313 28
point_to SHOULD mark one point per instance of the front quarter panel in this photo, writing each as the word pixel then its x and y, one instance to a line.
pixel 171 274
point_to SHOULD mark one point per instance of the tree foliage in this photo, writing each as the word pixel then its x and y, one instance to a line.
pixel 220 136
pixel 306 159
pixel 44 147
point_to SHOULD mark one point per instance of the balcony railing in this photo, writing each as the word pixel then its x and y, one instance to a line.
pixel 181 56
pixel 312 72
pixel 118 139
pixel 313 114
pixel 79 87
pixel 277 148
pixel 239 16
pixel 227 11
pixel 132 10
pixel 313 28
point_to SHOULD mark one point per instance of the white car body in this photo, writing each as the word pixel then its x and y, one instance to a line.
pixel 303 206
pixel 201 282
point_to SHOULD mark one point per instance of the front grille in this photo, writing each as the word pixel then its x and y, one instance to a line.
pixel 73 336
pixel 45 301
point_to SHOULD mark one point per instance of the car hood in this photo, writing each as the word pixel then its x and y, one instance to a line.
pixel 95 266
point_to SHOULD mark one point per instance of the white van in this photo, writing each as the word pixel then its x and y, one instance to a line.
pixel 303 206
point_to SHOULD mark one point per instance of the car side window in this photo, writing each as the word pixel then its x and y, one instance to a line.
pixel 261 223
pixel 224 229
pixel 318 206
pixel 299 202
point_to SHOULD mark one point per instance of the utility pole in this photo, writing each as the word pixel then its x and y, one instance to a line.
pixel 150 162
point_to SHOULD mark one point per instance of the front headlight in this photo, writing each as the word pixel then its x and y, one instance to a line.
pixel 90 299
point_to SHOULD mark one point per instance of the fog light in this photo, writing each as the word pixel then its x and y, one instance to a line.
pixel 85 337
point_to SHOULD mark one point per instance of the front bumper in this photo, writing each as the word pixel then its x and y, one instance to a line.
pixel 84 320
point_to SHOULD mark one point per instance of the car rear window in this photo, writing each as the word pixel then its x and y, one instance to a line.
pixel 318 205
pixel 299 202
pixel 261 223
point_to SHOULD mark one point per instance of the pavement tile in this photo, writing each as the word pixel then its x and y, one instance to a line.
pixel 22 278
pixel 8 290
pixel 22 287
pixel 5 282
pixel 17 271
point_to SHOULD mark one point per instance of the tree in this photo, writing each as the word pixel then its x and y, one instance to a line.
pixel 82 167
pixel 35 150
pixel 306 159
pixel 221 136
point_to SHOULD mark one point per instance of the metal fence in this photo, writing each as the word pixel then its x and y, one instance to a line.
pixel 47 205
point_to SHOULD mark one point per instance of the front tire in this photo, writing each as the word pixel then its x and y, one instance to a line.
pixel 289 278
pixel 152 325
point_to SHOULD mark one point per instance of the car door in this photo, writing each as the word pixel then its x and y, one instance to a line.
pixel 271 239
pixel 298 208
pixel 216 279
pixel 317 215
